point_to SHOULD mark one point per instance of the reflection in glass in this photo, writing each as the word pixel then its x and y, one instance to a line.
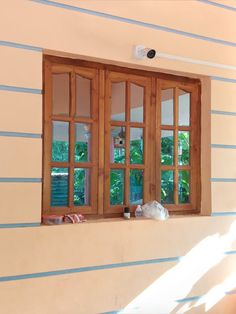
pixel 183 148
pixel 167 107
pixel 116 187
pixel 136 186
pixel 61 94
pixel 60 141
pixel 137 93
pixel 117 150
pixel 82 142
pixel 167 187
pixel 83 92
pixel 136 145
pixel 184 108
pixel 59 187
pixel 81 186
pixel 184 186
pixel 118 101
pixel 167 147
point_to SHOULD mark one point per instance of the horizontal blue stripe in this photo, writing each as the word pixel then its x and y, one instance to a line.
pixel 86 269
pixel 184 300
pixel 93 268
pixel 20 134
pixel 226 113
pixel 21 180
pixel 20 225
pixel 223 6
pixel 195 298
pixel 223 180
pixel 134 22
pixel 230 292
pixel 20 89
pixel 20 46
pixel 230 252
pixel 223 79
pixel 223 146
pixel 220 214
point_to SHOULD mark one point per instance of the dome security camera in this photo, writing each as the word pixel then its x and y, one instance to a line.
pixel 140 52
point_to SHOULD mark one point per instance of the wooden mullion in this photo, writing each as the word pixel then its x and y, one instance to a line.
pixel 157 138
pixel 176 118
pixel 83 120
pixel 137 124
pixel 59 164
pixel 107 131
pixel 119 123
pixel 47 136
pixel 72 140
pixel 167 127
pixel 84 164
pixel 95 154
pixel 127 144
pixel 61 118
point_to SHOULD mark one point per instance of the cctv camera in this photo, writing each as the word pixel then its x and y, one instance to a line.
pixel 140 52
pixel 151 53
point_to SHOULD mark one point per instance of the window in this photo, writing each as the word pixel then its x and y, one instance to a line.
pixel 116 137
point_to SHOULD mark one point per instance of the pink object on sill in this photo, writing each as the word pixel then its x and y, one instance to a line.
pixel 52 219
pixel 74 218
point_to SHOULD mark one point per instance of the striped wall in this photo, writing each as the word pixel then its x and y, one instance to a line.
pixel 183 265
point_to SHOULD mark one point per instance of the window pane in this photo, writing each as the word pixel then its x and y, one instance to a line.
pixel 136 145
pixel 60 141
pixel 83 92
pixel 118 101
pixel 118 145
pixel 61 94
pixel 136 186
pixel 183 148
pixel 81 187
pixel 167 147
pixel 184 186
pixel 167 107
pixel 116 187
pixel 82 142
pixel 184 108
pixel 167 187
pixel 59 187
pixel 137 93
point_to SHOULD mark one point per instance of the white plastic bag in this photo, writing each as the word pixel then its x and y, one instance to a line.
pixel 155 210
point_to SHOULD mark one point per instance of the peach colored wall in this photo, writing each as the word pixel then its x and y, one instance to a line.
pixel 207 242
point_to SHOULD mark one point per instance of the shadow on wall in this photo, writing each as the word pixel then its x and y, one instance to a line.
pixel 167 293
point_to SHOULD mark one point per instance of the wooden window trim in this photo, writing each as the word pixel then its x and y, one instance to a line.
pixel 100 164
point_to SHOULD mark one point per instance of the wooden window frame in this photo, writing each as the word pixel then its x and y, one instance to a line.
pixel 101 76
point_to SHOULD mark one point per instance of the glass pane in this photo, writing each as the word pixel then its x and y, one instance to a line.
pixel 81 187
pixel 167 107
pixel 183 148
pixel 60 141
pixel 116 187
pixel 167 187
pixel 83 92
pixel 184 108
pixel 82 142
pixel 136 145
pixel 118 101
pixel 167 147
pixel 137 93
pixel 61 94
pixel 117 145
pixel 59 187
pixel 136 186
pixel 184 186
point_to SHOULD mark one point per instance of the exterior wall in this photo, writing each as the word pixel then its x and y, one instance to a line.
pixel 99 267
